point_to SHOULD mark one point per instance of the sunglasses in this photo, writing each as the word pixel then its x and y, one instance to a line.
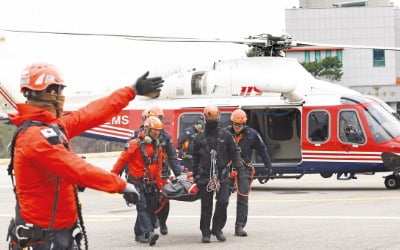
pixel 238 124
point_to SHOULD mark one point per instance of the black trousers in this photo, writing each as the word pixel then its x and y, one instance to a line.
pixel 242 201
pixel 61 240
pixel 187 163
pixel 242 210
pixel 220 213
pixel 163 214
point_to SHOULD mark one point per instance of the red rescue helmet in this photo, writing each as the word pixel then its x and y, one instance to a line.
pixel 145 114
pixel 153 122
pixel 239 116
pixel 211 112
pixel 39 76
pixel 156 111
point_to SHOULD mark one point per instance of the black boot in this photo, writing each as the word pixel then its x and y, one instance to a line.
pixel 163 229
pixel 141 239
pixel 220 235
pixel 153 237
pixel 205 238
pixel 239 231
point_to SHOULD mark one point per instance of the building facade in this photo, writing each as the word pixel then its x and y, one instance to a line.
pixel 369 23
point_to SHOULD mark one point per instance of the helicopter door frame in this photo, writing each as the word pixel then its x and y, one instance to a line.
pixel 284 150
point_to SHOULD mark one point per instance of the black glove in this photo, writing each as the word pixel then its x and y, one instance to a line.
pixel 131 195
pixel 264 174
pixel 149 87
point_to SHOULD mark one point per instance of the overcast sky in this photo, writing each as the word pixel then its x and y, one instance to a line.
pixel 102 64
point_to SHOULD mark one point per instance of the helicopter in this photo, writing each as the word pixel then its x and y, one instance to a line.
pixel 310 126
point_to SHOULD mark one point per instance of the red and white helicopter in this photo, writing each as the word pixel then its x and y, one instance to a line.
pixel 310 126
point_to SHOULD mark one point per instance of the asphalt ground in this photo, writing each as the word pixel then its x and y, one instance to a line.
pixel 310 213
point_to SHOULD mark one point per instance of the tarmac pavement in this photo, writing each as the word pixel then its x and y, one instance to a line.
pixel 310 213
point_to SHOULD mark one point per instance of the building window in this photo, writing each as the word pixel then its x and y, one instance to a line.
pixel 327 53
pixel 317 55
pixel 307 56
pixel 379 57
pixel 339 55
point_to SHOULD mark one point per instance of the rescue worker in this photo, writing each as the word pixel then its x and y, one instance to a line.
pixel 170 161
pixel 248 140
pixel 46 171
pixel 144 159
pixel 212 150
pixel 185 143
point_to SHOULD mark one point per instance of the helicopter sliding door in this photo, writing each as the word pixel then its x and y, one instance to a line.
pixel 280 128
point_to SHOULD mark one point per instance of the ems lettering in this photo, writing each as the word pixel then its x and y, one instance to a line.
pixel 120 120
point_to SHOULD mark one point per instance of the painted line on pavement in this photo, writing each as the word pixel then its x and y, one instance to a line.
pixel 106 217
pixel 330 199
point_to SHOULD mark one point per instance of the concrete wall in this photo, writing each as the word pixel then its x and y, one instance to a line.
pixel 353 26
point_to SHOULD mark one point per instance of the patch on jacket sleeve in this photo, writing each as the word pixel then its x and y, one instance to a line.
pixel 51 135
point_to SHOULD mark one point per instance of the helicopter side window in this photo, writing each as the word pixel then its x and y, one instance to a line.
pixel 188 119
pixel 350 130
pixel 318 126
pixel 225 119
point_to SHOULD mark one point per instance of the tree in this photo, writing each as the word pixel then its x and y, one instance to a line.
pixel 7 132
pixel 329 68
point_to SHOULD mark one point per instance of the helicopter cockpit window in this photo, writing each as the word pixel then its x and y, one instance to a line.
pixel 318 126
pixel 350 130
pixel 384 126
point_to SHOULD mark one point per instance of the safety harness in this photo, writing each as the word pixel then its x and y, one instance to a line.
pixel 214 182
pixel 25 234
pixel 234 174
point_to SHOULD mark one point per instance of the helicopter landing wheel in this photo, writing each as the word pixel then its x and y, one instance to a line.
pixel 392 182
pixel 326 175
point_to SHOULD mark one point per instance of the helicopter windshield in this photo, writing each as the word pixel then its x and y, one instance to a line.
pixel 384 125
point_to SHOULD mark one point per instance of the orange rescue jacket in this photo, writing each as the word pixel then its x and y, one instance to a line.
pixel 133 156
pixel 37 163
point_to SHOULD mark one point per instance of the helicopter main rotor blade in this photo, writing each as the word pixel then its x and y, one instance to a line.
pixel 301 43
pixel 263 40
pixel 85 34
pixel 197 40
pixel 247 41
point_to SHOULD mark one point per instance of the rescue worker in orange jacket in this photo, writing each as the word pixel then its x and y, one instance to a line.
pixel 46 171
pixel 144 159
pixel 170 162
